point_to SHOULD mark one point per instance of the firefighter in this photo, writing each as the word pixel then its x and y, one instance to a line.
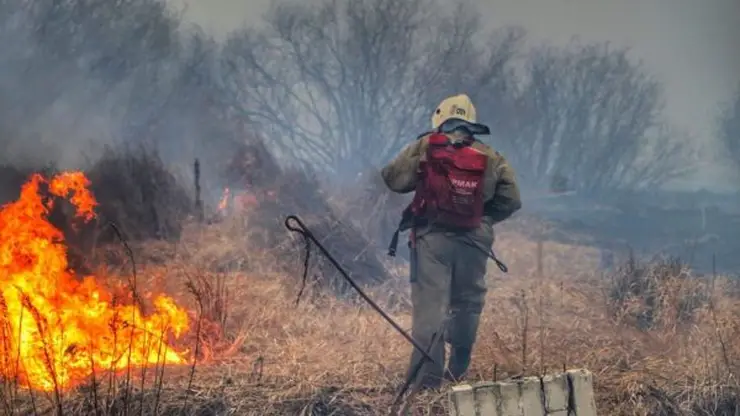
pixel 462 187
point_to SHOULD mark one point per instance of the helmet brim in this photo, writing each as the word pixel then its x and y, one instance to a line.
pixel 456 123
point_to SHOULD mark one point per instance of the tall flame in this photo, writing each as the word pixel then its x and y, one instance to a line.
pixel 57 330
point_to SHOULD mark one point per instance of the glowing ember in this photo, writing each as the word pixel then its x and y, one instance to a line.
pixel 56 329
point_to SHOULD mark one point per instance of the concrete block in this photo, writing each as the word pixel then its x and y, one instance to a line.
pixel 556 390
pixel 486 399
pixel 567 394
pixel 531 399
pixel 508 399
pixel 462 400
pixel 582 397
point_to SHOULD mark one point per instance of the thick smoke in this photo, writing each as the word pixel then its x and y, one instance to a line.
pixel 77 76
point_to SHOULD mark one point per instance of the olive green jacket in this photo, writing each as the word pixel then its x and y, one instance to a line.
pixel 500 191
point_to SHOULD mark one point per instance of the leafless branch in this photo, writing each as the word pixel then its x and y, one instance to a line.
pixel 588 114
pixel 347 84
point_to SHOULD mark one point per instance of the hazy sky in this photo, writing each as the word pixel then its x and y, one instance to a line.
pixel 692 45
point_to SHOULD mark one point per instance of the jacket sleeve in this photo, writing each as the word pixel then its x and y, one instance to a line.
pixel 402 173
pixel 506 199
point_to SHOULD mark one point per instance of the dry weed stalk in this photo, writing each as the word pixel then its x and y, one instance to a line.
pixel 199 301
pixel 48 354
pixel 523 309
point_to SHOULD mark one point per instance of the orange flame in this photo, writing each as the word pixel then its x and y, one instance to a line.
pixel 56 330
pixel 224 202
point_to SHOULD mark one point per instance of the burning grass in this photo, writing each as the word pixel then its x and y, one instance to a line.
pixel 660 340
pixel 58 330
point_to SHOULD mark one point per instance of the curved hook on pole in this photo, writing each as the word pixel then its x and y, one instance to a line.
pixel 300 228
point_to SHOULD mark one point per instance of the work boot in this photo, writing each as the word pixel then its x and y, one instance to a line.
pixel 462 334
pixel 459 363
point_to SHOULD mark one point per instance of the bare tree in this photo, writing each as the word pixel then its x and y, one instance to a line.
pixel 344 85
pixel 590 117
pixel 729 128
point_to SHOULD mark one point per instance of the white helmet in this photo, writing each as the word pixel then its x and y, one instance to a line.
pixel 460 109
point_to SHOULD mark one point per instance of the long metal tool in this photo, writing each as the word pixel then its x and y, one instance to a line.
pixel 412 381
pixel 300 228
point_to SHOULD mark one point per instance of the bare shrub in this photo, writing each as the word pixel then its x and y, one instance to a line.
pixel 372 207
pixel 664 293
pixel 136 191
pixel 298 193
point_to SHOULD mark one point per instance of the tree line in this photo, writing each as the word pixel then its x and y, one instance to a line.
pixel 336 88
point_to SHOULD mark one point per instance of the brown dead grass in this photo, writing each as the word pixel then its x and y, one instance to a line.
pixel 263 355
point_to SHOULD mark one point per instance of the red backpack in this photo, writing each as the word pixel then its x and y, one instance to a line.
pixel 450 188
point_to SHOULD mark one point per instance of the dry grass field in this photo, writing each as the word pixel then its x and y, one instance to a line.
pixel 659 340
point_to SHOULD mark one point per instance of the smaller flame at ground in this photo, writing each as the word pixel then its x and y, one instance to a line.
pixel 236 202
pixel 223 204
pixel 56 331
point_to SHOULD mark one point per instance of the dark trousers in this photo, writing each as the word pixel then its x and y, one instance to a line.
pixel 448 289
